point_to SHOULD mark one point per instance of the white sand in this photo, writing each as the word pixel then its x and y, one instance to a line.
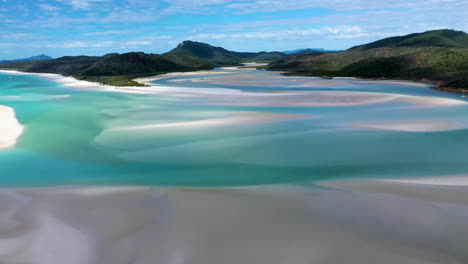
pixel 234 118
pixel 278 99
pixel 254 64
pixel 441 189
pixel 409 125
pixel 397 82
pixel 460 180
pixel 148 80
pixel 262 225
pixel 10 128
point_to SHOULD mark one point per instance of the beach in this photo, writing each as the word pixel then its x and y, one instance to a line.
pixel 360 222
pixel 107 211
pixel 10 128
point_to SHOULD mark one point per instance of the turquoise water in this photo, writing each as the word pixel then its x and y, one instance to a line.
pixel 70 139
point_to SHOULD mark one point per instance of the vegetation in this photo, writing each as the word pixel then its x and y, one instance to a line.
pixel 114 69
pixel 222 56
pixel 126 80
pixel 440 56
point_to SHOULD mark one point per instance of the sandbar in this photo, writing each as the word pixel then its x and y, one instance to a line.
pixel 234 118
pixel 409 125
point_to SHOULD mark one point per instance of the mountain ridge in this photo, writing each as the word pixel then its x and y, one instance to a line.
pixel 222 55
pixel 32 58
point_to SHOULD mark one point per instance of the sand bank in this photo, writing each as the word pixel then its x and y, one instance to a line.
pixel 10 128
pixel 460 180
pixel 149 79
pixel 263 225
pixel 235 118
pixel 225 96
pixel 397 82
pixel 441 189
pixel 409 125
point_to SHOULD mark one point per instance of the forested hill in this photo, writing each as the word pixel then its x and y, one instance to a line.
pixel 440 56
pixel 221 55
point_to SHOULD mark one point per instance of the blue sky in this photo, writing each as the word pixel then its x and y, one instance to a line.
pixel 97 27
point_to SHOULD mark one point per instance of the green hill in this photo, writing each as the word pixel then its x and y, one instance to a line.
pixel 221 55
pixel 135 63
pixel 435 38
pixel 440 56
pixel 114 69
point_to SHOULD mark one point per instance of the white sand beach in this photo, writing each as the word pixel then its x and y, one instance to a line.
pixel 10 128
pixel 354 224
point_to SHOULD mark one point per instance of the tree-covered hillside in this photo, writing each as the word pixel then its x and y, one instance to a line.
pixel 440 56
pixel 221 55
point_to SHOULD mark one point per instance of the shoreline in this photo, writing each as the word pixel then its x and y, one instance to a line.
pixel 10 128
pixel 422 101
pixel 88 224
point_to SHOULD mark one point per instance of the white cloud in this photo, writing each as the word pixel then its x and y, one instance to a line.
pixel 17 36
pixel 47 7
pixel 82 4
pixel 323 32
pixel 82 44
pixel 339 5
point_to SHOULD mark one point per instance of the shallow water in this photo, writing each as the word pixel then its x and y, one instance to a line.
pixel 74 137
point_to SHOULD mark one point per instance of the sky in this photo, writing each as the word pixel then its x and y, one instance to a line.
pixel 97 27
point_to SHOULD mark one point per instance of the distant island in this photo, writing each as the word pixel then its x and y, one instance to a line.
pixel 305 51
pixel 439 56
pixel 33 58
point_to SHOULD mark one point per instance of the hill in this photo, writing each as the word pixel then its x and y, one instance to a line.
pixel 440 56
pixel 435 38
pixel 114 69
pixel 223 56
pixel 33 58
pixel 305 51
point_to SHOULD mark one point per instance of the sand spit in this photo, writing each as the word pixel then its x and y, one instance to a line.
pixel 10 128
pixel 318 98
pixel 423 101
pixel 460 180
pixel 263 225
pixel 409 125
pixel 148 80
pixel 405 83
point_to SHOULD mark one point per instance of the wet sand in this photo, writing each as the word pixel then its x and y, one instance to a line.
pixel 409 125
pixel 234 118
pixel 378 222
